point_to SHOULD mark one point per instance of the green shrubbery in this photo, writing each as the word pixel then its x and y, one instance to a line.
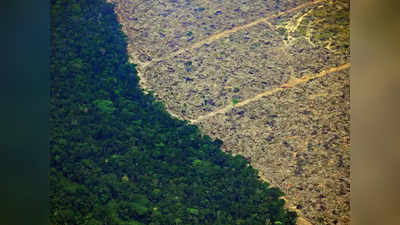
pixel 117 157
pixel 105 106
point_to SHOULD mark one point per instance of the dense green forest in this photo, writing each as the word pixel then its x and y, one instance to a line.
pixel 117 157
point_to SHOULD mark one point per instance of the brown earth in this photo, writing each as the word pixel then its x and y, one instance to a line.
pixel 269 79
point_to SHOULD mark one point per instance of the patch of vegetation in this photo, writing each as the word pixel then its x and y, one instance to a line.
pixel 281 31
pixel 235 101
pixel 117 157
pixel 330 25
pixel 105 105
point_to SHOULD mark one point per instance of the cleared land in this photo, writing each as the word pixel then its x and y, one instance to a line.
pixel 270 79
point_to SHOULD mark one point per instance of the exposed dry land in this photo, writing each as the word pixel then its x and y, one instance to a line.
pixel 269 78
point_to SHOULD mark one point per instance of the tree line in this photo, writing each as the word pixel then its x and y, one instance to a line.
pixel 117 157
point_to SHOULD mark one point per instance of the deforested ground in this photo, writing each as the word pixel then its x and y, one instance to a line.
pixel 269 78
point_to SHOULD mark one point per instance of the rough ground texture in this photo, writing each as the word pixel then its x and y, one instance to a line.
pixel 269 78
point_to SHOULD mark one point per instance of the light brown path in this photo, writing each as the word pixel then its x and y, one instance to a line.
pixel 306 57
pixel 289 84
pixel 226 33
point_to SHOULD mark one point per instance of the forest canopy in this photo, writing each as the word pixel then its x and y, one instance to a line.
pixel 117 157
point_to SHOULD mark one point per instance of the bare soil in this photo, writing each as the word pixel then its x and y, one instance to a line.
pixel 271 80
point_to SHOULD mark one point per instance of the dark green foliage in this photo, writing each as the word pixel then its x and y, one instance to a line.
pixel 117 157
pixel 235 101
pixel 105 106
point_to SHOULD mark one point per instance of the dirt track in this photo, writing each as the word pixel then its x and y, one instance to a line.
pixel 271 80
